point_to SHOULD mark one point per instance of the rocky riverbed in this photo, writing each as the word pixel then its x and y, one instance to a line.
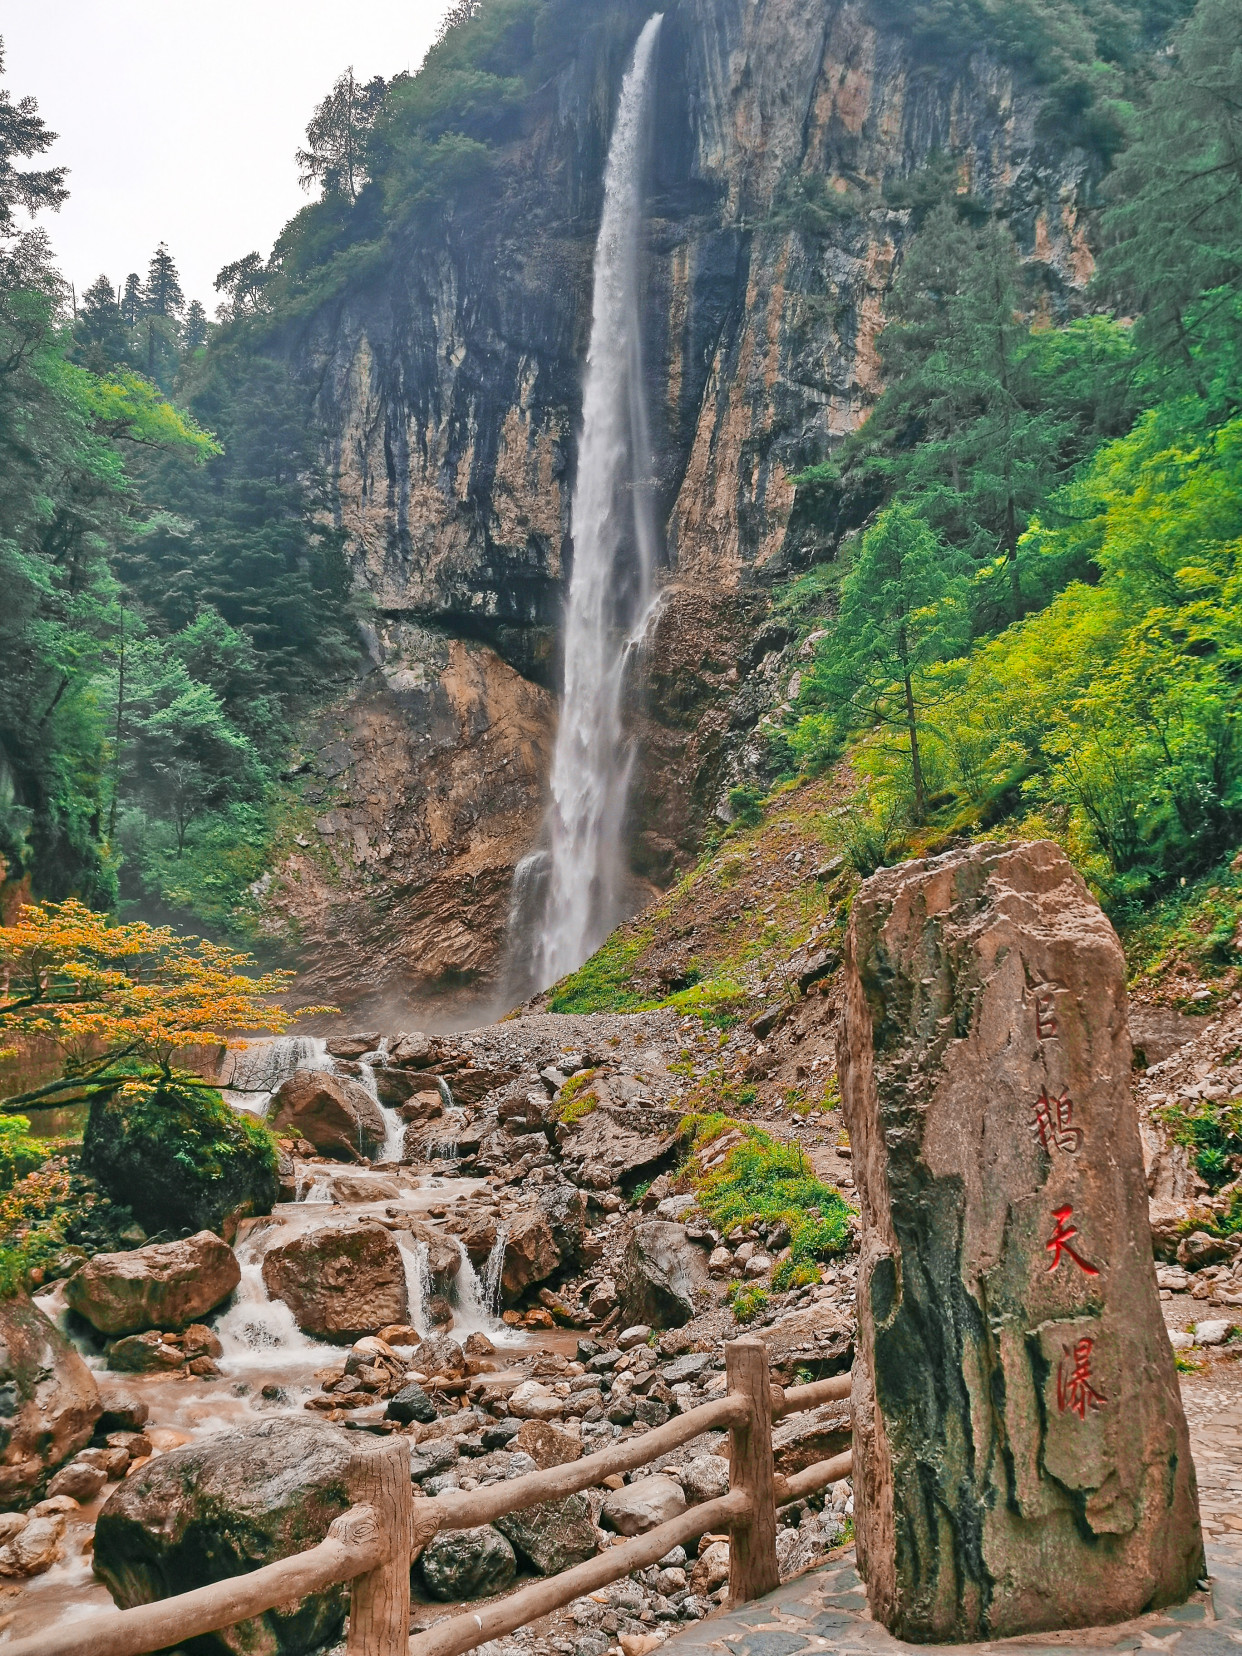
pixel 489 1244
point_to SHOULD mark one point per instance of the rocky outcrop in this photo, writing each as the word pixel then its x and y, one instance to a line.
pixel 1021 1458
pixel 337 1115
pixel 543 1239
pixel 164 1285
pixel 49 1401
pixel 219 1508
pixel 340 1281
pixel 663 1280
pixel 449 386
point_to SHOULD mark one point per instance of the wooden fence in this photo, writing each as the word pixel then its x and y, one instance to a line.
pixel 372 1545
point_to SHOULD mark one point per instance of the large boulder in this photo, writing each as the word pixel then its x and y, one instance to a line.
pixel 553 1536
pixel 467 1564
pixel 222 1507
pixel 164 1285
pixel 340 1281
pixel 643 1505
pixel 337 1115
pixel 544 1238
pixel 49 1401
pixel 177 1155
pixel 1021 1456
pixel 663 1280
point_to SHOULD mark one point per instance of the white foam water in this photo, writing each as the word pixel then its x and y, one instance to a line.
pixel 615 541
pixel 255 1331
pixel 473 1312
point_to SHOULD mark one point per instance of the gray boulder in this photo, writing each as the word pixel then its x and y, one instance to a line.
pixel 340 1281
pixel 212 1510
pixel 663 1279
pixel 553 1536
pixel 643 1505
pixel 467 1564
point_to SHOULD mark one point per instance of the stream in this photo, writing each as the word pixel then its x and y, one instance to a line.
pixel 268 1363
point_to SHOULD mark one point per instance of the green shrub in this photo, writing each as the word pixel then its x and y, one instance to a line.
pixel 178 1155
pixel 746 1300
pixel 19 1153
pixel 576 1103
pixel 747 806
pixel 765 1181
pixel 791 1273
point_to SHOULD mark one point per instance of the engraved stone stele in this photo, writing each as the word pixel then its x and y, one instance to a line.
pixel 1021 1459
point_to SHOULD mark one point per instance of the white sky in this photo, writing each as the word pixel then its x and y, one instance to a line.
pixel 179 122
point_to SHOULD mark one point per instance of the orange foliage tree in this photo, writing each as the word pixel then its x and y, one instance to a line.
pixel 113 996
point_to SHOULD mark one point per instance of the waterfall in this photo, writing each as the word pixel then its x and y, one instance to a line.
pixel 394 1126
pixel 473 1311
pixel 614 538
pixel 416 1257
pixel 494 1270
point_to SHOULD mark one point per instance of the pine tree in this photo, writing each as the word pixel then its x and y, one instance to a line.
pixel 336 137
pixel 99 330
pixel 24 134
pixel 903 607
pixel 195 328
pixel 131 300
pixel 1174 234
pixel 162 300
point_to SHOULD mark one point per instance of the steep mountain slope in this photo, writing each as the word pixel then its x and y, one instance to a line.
pixel 448 381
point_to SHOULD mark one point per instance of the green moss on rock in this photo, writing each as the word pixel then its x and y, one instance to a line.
pixel 178 1156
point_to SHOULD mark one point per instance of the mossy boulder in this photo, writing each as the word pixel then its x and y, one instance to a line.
pixel 178 1156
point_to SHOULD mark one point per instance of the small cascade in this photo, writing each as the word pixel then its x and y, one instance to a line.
pixel 316 1188
pixel 416 1258
pixel 394 1125
pixel 257 1331
pixel 493 1273
pixel 250 1075
pixel 473 1311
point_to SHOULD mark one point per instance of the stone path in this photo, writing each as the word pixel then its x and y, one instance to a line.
pixel 826 1609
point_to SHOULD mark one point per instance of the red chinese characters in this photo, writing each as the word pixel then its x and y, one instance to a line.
pixel 1060 1242
pixel 1045 1017
pixel 1075 1392
pixel 1052 1123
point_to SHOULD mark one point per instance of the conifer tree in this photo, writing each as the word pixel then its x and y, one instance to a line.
pixel 336 136
pixel 903 607
pixel 195 327
pixel 162 301
pixel 100 330
pixel 131 300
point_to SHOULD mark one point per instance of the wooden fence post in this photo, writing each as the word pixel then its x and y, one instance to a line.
pixel 379 1602
pixel 752 1546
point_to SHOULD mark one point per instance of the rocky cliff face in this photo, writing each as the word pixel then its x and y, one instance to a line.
pixel 449 387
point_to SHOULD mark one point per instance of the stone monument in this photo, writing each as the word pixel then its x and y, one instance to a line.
pixel 1021 1458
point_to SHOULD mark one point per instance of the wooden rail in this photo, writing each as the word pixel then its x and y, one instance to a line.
pixel 373 1544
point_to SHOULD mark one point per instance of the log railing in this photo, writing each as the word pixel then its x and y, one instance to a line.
pixel 373 1544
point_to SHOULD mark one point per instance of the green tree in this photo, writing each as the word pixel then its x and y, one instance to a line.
pixel 195 328
pixel 23 135
pixel 244 281
pixel 1174 231
pixel 969 428
pixel 99 329
pixel 131 300
pixel 336 139
pixel 903 607
pixel 162 302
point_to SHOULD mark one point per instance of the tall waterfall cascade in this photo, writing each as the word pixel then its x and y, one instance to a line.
pixel 610 594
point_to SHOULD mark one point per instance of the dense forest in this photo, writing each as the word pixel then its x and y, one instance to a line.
pixel 1024 612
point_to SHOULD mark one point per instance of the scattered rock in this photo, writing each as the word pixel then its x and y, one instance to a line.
pixel 643 1505
pixel 706 1478
pixel 79 1480
pixel 164 1285
pixel 532 1401
pixel 49 1401
pixel 35 1548
pixel 638 1335
pixel 354 1046
pixel 1212 1333
pixel 467 1564
pixel 148 1353
pixel 1193 1251
pixel 340 1281
pixel 711 1569
pixel 553 1536
pixel 411 1403
pixel 440 1355
pixel 547 1445
pixel 338 1116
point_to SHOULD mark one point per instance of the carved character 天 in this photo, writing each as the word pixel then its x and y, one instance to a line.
pixel 1059 1242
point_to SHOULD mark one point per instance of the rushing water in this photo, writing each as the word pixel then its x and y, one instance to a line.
pixel 614 538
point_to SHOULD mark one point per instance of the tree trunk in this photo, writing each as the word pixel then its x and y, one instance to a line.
pixel 1011 549
pixel 916 763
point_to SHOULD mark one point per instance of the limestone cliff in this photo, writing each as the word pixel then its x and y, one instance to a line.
pixel 449 388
